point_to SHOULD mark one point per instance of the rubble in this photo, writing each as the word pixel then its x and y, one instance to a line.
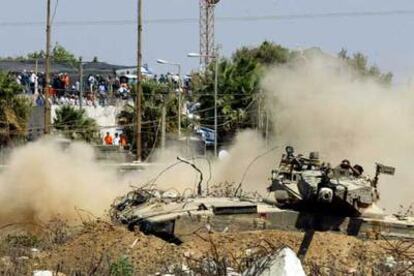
pixel 236 226
pixel 283 263
pixel 46 273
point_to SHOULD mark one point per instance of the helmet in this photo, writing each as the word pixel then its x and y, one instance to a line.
pixel 289 150
pixel 345 164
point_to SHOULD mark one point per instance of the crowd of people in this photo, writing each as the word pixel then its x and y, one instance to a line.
pixel 64 90
pixel 31 82
pixel 97 89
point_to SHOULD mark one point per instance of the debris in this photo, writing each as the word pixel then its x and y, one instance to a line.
pixel 232 272
pixel 6 262
pixel 46 273
pixel 283 263
pixel 134 243
pixel 35 252
pixel 390 262
pixel 42 273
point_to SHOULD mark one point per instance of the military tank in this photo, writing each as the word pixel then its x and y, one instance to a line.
pixel 308 184
pixel 306 194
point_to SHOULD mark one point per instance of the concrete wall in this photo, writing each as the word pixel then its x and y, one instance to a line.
pixel 104 116
pixel 36 123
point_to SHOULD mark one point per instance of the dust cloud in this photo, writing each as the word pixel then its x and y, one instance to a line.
pixel 244 160
pixel 43 180
pixel 169 173
pixel 319 104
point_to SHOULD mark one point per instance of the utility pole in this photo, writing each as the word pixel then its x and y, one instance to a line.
pixel 215 103
pixel 161 61
pixel 80 82
pixel 180 90
pixel 138 122
pixel 163 123
pixel 267 127
pixel 36 88
pixel 47 71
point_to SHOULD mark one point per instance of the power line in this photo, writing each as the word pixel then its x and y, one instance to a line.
pixel 304 16
pixel 54 11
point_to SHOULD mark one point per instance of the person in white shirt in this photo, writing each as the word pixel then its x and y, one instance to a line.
pixel 116 140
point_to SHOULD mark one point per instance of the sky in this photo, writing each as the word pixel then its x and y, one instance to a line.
pixel 386 39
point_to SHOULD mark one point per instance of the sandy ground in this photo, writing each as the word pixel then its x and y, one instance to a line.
pixel 101 243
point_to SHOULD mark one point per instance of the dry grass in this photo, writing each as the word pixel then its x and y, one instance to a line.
pixel 99 248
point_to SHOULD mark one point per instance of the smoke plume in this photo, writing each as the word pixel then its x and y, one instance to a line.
pixel 316 105
pixel 319 104
pixel 43 180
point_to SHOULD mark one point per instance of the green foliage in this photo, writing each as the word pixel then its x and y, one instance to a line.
pixel 239 97
pixel 75 124
pixel 154 95
pixel 267 53
pixel 122 267
pixel 36 55
pixel 22 240
pixel 359 63
pixel 14 111
pixel 59 54
pixel 239 87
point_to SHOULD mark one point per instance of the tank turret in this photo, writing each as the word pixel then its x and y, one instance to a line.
pixel 306 183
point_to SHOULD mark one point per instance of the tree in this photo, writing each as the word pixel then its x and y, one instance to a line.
pixel 75 124
pixel 36 55
pixel 15 111
pixel 59 54
pixel 239 87
pixel 359 63
pixel 267 53
pixel 154 95
pixel 240 99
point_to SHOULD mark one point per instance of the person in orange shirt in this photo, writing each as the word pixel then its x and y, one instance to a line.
pixel 108 139
pixel 66 80
pixel 123 140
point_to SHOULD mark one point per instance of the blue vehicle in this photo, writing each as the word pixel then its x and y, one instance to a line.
pixel 207 135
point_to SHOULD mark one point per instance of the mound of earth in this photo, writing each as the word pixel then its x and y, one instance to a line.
pixel 100 244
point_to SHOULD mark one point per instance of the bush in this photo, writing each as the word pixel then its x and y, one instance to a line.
pixel 122 267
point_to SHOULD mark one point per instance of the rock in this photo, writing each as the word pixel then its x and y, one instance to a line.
pixel 46 273
pixel 232 272
pixel 188 254
pixel 35 252
pixel 42 273
pixel 390 262
pixel 283 263
pixel 351 271
pixel 23 258
pixel 6 261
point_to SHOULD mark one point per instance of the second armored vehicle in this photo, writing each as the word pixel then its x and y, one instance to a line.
pixel 307 184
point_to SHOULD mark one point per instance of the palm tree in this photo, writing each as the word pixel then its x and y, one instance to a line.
pixel 239 88
pixel 15 111
pixel 154 96
pixel 75 124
